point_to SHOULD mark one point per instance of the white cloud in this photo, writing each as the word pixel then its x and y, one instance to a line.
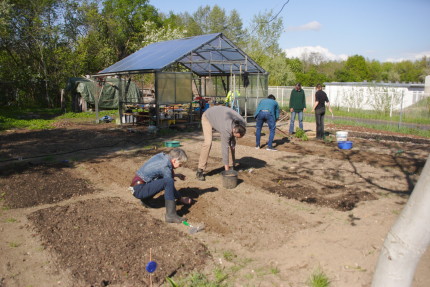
pixel 314 25
pixel 410 57
pixel 304 52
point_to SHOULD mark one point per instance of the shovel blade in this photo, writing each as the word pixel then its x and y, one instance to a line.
pixel 196 229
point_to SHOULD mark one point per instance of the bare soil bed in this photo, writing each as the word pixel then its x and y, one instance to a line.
pixel 67 218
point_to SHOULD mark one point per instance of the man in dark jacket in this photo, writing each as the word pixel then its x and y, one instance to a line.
pixel 297 106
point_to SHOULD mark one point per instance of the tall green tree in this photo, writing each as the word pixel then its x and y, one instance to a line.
pixel 375 70
pixel 285 76
pixel 355 70
pixel 32 45
pixel 408 71
pixel 264 36
pixel 123 22
pixel 208 20
pixel 115 31
pixel 262 45
pixel 235 31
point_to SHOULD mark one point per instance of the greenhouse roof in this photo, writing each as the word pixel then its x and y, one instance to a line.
pixel 205 55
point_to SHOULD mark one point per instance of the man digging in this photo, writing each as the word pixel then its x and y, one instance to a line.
pixel 230 125
pixel 157 174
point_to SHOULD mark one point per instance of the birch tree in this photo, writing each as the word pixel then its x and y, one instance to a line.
pixel 408 239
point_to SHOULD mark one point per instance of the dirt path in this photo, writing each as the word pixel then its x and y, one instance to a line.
pixel 67 218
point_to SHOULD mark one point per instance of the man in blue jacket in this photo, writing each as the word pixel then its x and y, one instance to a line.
pixel 267 111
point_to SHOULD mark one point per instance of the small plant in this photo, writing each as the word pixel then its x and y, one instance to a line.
pixel 171 282
pixel 11 220
pixel 329 139
pixel 199 279
pixel 220 275
pixel 274 270
pixel 13 244
pixel 229 256
pixel 318 279
pixel 300 134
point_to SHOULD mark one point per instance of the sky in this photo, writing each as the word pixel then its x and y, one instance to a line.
pixel 382 30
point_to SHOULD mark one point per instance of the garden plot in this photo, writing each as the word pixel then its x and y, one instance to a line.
pixel 68 219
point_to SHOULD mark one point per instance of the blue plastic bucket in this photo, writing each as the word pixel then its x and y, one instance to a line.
pixel 344 144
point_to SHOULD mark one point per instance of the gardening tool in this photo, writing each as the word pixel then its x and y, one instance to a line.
pixel 287 116
pixel 282 131
pixel 193 229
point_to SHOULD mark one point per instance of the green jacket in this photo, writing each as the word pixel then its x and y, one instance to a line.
pixel 297 100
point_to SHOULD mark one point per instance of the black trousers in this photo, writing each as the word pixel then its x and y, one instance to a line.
pixel 319 119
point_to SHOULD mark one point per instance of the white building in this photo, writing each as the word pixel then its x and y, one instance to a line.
pixel 374 96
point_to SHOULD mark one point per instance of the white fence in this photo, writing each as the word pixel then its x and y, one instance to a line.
pixel 282 94
pixel 378 98
pixel 391 100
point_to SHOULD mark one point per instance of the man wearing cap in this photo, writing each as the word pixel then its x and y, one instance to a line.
pixel 297 106
pixel 267 111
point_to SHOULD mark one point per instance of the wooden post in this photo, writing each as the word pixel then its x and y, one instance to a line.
pixel 62 99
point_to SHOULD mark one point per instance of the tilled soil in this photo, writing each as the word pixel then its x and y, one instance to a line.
pixel 69 220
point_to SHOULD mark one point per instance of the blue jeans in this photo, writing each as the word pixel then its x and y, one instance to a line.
pixel 148 190
pixel 293 118
pixel 263 117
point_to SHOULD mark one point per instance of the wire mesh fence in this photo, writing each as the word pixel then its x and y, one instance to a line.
pixel 397 106
pixel 282 94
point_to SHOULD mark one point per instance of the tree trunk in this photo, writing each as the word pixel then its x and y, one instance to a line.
pixel 408 238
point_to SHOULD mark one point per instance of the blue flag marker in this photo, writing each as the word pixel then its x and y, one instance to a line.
pixel 151 266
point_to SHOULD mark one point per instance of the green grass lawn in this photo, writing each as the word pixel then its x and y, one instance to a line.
pixel 12 118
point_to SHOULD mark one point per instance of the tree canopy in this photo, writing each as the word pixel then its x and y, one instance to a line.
pixel 44 42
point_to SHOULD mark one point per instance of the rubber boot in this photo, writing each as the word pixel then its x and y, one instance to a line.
pixel 171 215
pixel 199 175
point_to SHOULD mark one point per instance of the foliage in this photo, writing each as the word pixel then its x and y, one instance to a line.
pixel 200 280
pixel 229 255
pixel 312 78
pixel 301 134
pixel 208 20
pixel 41 118
pixel 355 70
pixel 408 117
pixel 44 43
pixel 386 127
pixel 171 282
pixel 280 72
pixel 264 35
pixel 262 46
pixel 318 279
pixel 152 34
